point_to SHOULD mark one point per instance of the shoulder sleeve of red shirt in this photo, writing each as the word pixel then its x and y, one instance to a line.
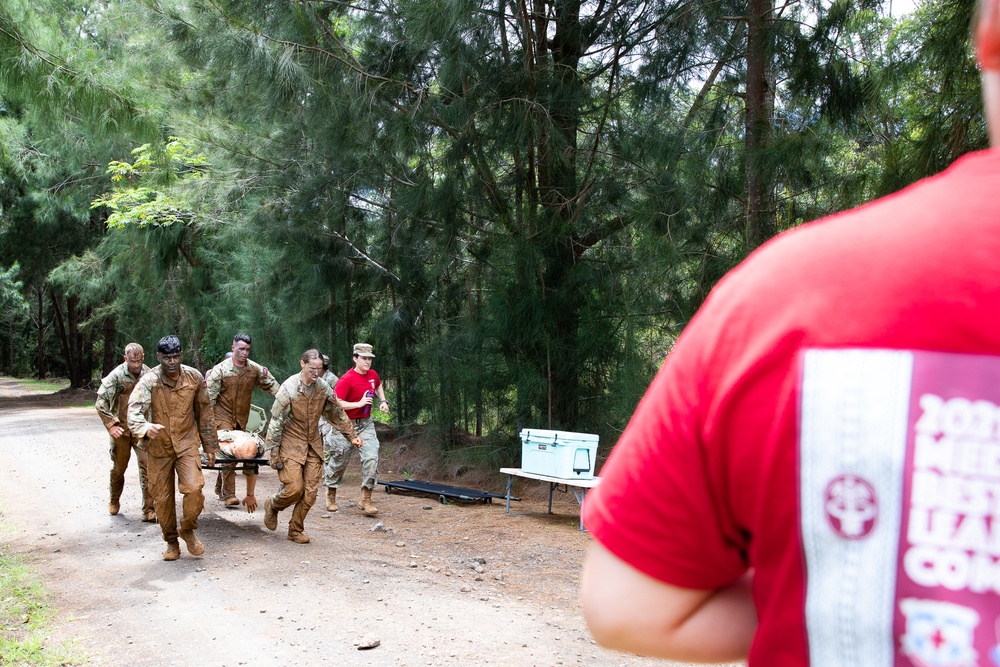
pixel 656 507
pixel 343 384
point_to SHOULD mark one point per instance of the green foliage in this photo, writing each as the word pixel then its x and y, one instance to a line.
pixel 132 202
pixel 520 213
pixel 13 307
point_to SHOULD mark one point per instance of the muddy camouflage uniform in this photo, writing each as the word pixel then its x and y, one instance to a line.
pixel 183 408
pixel 294 434
pixel 230 389
pixel 112 406
pixel 331 436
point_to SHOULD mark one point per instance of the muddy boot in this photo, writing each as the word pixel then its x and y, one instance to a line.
pixel 299 538
pixel 232 501
pixel 173 551
pixel 113 507
pixel 270 516
pixel 331 499
pixel 366 502
pixel 194 545
pixel 149 516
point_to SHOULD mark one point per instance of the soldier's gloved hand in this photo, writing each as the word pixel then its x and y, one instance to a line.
pixel 274 459
pixel 357 441
pixel 211 458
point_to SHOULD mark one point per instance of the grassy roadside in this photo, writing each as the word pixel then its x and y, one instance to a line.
pixel 42 386
pixel 25 614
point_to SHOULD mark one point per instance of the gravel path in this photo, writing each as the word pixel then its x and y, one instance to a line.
pixel 255 598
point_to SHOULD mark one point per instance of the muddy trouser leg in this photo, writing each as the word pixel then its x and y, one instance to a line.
pixel 140 457
pixel 369 456
pixel 120 450
pixel 161 486
pixel 312 473
pixel 228 483
pixel 337 453
pixel 190 481
pixel 292 485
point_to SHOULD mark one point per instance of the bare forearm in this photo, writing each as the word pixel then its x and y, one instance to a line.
pixel 630 611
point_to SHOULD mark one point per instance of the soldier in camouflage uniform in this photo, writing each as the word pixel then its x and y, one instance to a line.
pixel 112 407
pixel 294 444
pixel 230 388
pixel 329 434
pixel 169 409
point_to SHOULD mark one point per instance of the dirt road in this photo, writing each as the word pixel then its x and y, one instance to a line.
pixel 255 598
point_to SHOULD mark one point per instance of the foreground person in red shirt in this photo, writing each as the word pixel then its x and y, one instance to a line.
pixel 813 478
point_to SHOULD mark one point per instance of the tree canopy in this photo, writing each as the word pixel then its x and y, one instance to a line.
pixel 519 204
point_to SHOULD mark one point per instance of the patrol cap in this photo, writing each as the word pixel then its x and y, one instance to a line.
pixel 363 350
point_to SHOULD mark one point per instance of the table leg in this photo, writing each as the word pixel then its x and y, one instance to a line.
pixel 581 495
pixel 510 480
pixel 552 487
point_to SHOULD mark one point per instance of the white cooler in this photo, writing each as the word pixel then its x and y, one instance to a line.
pixel 561 454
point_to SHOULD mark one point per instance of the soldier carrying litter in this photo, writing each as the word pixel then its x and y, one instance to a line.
pixel 230 388
pixel 169 409
pixel 294 443
pixel 112 407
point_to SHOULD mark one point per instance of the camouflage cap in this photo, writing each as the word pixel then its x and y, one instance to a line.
pixel 363 350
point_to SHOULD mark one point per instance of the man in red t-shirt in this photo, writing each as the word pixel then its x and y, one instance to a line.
pixel 813 478
pixel 356 389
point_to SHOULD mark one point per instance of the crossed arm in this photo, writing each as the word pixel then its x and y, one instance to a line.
pixel 631 611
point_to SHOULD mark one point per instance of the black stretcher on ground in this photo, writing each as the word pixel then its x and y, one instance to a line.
pixel 442 491
pixel 241 464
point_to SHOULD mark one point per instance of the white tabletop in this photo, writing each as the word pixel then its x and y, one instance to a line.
pixel 584 483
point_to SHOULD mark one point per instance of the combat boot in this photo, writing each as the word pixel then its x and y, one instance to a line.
pixel 331 499
pixel 173 551
pixel 149 516
pixel 299 538
pixel 366 502
pixel 113 507
pixel 270 516
pixel 194 545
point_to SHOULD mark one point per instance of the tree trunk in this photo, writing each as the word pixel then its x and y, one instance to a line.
pixel 74 337
pixel 559 197
pixel 64 341
pixel 109 331
pixel 760 223
pixel 40 350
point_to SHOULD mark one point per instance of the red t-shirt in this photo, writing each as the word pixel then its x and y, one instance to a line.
pixel 351 387
pixel 783 434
